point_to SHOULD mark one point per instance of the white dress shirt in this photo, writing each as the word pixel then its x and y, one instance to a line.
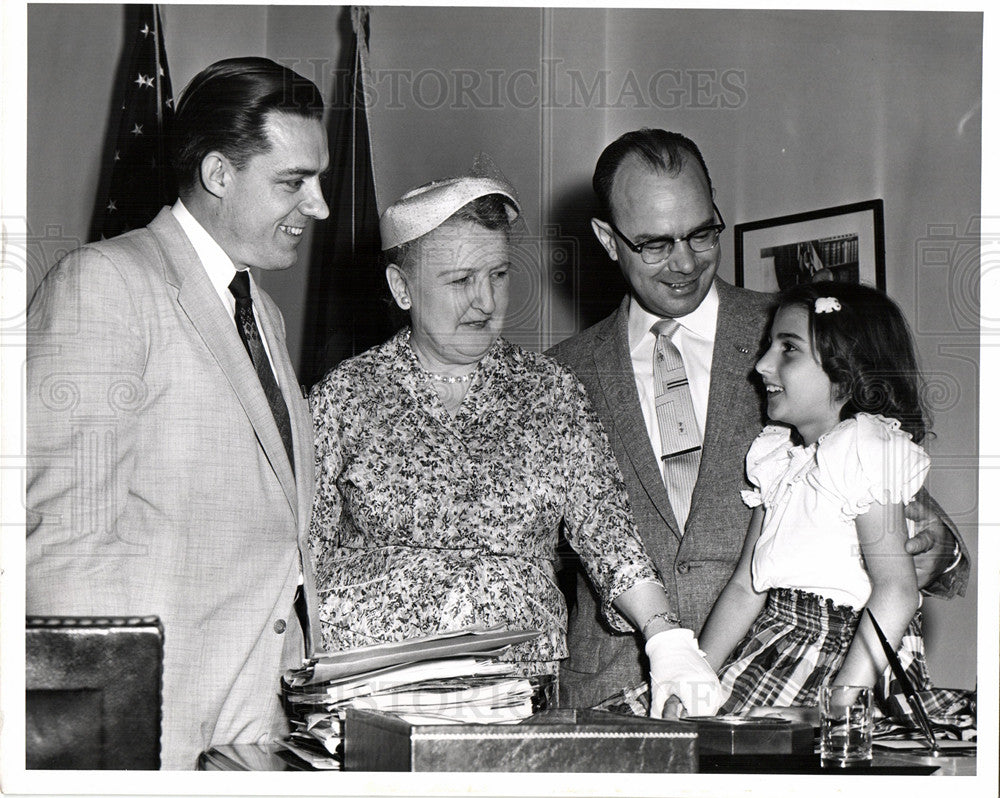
pixel 694 339
pixel 219 267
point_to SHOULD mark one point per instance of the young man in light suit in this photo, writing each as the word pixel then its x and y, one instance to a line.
pixel 654 188
pixel 170 448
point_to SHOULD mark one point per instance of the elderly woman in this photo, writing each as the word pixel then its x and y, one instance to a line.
pixel 448 458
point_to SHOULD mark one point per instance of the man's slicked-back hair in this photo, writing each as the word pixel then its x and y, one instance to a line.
pixel 225 106
pixel 662 150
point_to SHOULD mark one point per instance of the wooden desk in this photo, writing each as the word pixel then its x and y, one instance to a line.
pixel 946 765
pixel 274 758
pixel 884 763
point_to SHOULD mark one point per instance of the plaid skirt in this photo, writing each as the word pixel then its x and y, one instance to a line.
pixel 797 643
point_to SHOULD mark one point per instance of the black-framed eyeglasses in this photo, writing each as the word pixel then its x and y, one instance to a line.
pixel 657 249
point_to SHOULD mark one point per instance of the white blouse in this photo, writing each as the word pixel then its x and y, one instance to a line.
pixel 812 494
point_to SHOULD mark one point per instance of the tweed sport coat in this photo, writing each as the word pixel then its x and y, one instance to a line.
pixel 158 483
pixel 696 565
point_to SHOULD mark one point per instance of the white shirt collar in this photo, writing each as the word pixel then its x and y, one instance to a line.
pixel 217 263
pixel 700 322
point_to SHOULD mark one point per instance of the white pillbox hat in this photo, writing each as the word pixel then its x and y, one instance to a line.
pixel 422 209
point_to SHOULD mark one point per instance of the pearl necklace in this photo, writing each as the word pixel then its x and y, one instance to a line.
pixel 449 379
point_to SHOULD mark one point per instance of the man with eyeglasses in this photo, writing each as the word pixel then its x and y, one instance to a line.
pixel 660 224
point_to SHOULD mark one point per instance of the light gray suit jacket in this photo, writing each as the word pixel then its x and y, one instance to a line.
pixel 696 565
pixel 158 483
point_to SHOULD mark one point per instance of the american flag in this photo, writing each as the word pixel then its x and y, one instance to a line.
pixel 141 179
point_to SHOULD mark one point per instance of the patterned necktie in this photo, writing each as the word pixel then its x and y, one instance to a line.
pixel 247 326
pixel 679 435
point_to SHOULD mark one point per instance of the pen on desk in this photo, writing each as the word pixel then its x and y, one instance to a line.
pixel 904 681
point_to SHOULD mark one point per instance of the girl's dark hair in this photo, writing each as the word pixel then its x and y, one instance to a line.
pixel 489 211
pixel 866 349
pixel 225 108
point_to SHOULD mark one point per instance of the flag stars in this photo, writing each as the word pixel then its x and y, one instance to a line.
pixel 136 164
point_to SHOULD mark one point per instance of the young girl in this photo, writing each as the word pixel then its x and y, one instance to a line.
pixel 827 532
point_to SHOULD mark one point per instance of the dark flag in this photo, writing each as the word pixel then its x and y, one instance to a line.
pixel 348 309
pixel 141 179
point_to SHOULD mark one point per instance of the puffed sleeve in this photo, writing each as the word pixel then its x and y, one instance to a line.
pixel 752 498
pixel 766 460
pixel 870 460
pixel 598 517
pixel 324 401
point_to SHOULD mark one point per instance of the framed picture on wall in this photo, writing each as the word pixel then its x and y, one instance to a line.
pixel 845 243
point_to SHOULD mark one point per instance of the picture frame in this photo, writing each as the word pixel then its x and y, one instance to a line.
pixel 844 243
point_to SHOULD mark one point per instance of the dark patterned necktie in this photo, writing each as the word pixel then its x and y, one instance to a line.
pixel 679 435
pixel 247 326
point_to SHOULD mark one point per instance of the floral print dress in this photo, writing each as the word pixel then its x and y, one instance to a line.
pixel 426 522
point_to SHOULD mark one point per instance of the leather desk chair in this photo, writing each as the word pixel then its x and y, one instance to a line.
pixel 93 693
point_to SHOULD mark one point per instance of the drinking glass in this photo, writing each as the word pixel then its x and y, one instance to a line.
pixel 845 725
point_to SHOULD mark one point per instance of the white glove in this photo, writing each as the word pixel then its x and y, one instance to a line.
pixel 677 667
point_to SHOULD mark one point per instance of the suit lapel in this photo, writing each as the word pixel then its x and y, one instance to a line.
pixel 614 367
pixel 302 439
pixel 298 410
pixel 735 351
pixel 200 302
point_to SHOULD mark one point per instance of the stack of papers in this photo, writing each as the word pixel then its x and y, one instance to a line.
pixel 439 679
